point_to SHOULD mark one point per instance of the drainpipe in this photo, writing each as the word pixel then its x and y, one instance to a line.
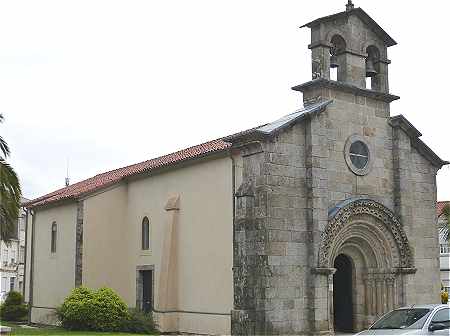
pixel 233 192
pixel 30 291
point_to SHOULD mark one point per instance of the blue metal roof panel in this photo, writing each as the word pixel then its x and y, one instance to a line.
pixel 292 117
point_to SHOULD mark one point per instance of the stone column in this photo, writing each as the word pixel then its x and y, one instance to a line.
pixel 243 315
pixel 385 295
pixel 381 81
pixel 390 293
pixel 168 279
pixel 374 296
pixel 354 69
pixel 316 163
pixel 328 272
pixel 369 296
pixel 379 285
pixel 320 58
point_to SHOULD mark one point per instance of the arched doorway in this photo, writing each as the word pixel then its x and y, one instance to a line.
pixel 364 245
pixel 343 294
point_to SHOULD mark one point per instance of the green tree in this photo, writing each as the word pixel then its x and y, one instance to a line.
pixel 445 225
pixel 9 194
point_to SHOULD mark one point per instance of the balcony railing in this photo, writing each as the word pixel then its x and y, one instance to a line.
pixel 445 248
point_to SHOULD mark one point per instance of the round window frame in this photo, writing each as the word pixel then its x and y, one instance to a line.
pixel 368 167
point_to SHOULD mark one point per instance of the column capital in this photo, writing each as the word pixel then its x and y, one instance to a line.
pixel 173 203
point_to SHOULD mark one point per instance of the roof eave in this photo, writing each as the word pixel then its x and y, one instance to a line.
pixel 41 204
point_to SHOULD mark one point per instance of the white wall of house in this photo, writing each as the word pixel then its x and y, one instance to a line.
pixel 12 259
pixel 444 260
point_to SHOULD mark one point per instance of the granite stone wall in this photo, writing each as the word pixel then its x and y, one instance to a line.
pixel 291 181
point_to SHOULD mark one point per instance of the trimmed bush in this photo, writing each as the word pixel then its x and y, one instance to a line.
pixel 139 323
pixel 85 309
pixel 13 308
pixel 75 312
pixel 109 311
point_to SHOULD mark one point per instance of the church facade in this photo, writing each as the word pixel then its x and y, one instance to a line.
pixel 319 221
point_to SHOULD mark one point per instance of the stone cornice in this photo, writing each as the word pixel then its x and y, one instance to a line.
pixel 326 83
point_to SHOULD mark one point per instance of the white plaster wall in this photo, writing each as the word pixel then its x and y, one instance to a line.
pixel 112 240
pixel 54 273
pixel 106 248
pixel 205 238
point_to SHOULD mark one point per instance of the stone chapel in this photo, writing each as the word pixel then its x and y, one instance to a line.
pixel 317 222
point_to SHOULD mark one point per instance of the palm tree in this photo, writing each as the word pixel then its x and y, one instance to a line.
pixel 9 194
pixel 445 226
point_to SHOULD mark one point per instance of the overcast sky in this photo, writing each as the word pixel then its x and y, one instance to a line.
pixel 111 83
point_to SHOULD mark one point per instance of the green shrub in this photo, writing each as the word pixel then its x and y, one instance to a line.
pixel 139 323
pixel 75 312
pixel 13 308
pixel 85 309
pixel 109 311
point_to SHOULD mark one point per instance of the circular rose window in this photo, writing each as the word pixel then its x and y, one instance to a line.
pixel 357 155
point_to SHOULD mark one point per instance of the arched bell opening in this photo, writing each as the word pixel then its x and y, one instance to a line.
pixel 372 68
pixel 337 49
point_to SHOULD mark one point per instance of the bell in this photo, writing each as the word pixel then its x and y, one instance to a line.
pixel 370 69
pixel 333 61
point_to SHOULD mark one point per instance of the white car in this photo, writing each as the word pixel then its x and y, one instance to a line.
pixel 414 320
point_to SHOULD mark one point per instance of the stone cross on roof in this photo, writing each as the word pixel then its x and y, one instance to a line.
pixel 349 6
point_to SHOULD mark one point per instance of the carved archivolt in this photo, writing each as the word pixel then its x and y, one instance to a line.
pixel 380 214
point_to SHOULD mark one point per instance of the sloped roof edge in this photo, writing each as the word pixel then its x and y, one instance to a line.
pixel 440 207
pixel 107 179
pixel 283 122
pixel 359 12
pixel 401 122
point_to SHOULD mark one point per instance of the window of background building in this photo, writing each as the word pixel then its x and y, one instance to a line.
pixel 13 256
pixel 145 233
pixel 22 223
pixel 12 283
pixel 5 257
pixel 22 254
pixel 3 284
pixel 53 238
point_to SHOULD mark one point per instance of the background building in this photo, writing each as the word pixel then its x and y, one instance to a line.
pixel 12 259
pixel 444 249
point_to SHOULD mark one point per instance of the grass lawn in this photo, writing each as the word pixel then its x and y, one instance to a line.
pixel 17 330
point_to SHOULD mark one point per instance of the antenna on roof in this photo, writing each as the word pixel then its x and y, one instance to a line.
pixel 67 182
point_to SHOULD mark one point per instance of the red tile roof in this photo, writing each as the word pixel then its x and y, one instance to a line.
pixel 109 178
pixel 440 207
